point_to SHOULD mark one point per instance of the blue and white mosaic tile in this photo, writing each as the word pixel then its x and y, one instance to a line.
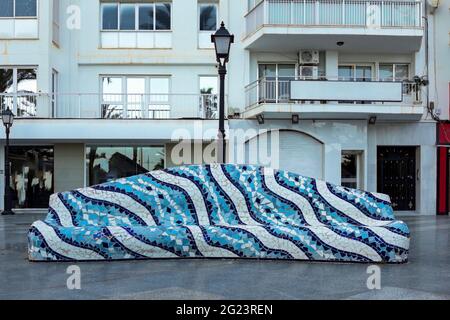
pixel 219 211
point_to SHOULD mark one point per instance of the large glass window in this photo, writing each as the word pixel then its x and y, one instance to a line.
pixel 31 176
pixel 22 81
pixel 208 17
pixel 150 16
pixel 105 163
pixel 135 97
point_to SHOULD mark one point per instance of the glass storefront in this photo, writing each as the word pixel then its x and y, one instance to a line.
pixel 32 179
pixel 105 163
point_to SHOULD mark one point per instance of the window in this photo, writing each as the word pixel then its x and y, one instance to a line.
pixel 105 163
pixel 18 88
pixel 355 72
pixel 208 97
pixel 274 83
pixel 163 16
pixel 394 71
pixel 136 16
pixel 25 8
pixel 208 17
pixel 110 16
pixel 350 166
pixel 135 97
pixel 146 15
pixel 6 8
pixel 18 8
pixel 31 176
pixel 127 16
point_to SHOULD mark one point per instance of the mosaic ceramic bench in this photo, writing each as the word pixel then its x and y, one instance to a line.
pixel 219 211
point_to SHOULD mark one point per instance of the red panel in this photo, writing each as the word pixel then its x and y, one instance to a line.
pixel 442 181
pixel 444 133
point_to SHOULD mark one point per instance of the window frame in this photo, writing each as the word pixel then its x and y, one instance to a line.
pixel 136 16
pixel 200 4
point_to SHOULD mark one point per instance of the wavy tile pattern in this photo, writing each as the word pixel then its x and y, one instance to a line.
pixel 219 211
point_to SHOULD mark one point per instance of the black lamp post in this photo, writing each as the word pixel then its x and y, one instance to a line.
pixel 222 40
pixel 8 119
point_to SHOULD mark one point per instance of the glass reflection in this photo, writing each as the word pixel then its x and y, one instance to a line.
pixel 146 17
pixel 163 16
pixel 208 17
pixel 110 16
pixel 109 163
pixel 31 176
pixel 127 17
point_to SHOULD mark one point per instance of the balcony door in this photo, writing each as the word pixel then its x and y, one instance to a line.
pixel 135 97
pixel 274 80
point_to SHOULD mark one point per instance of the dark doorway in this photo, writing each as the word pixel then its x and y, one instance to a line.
pixel 397 176
pixel 31 176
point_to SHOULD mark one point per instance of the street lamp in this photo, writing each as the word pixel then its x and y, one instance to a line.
pixel 222 40
pixel 8 119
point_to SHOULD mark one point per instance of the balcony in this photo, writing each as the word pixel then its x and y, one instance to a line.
pixel 111 106
pixel 362 25
pixel 333 99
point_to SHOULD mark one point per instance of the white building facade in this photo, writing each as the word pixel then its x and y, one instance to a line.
pixel 332 89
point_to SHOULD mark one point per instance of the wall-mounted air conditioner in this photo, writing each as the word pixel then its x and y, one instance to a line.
pixel 309 72
pixel 309 57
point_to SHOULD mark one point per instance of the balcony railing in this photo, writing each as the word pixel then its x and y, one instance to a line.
pixel 278 91
pixel 111 106
pixel 340 13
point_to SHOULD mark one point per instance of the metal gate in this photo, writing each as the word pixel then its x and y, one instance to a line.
pixel 397 176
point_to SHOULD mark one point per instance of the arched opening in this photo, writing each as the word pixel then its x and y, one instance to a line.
pixel 287 150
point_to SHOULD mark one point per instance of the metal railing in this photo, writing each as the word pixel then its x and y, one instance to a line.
pixel 341 13
pixel 111 106
pixel 265 91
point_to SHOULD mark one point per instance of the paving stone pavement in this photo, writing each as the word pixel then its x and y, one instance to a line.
pixel 426 276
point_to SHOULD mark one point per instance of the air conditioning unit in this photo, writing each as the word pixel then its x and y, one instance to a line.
pixel 309 72
pixel 309 57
